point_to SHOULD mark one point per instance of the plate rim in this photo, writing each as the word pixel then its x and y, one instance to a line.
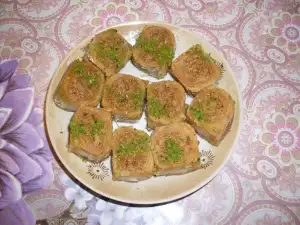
pixel 122 199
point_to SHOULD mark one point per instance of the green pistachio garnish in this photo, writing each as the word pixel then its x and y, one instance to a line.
pixel 164 53
pixel 156 109
pixel 80 72
pixel 91 80
pixel 137 98
pixel 84 160
pixel 77 129
pixel 108 86
pixel 96 127
pixel 133 147
pixel 79 69
pixel 110 53
pixel 174 152
pixel 120 98
pixel 199 115
pixel 204 56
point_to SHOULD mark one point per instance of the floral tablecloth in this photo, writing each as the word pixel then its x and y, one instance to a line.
pixel 260 39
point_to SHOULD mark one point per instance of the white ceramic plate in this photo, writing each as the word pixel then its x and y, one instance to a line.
pixel 98 176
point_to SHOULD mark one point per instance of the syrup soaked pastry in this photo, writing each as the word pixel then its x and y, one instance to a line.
pixel 124 97
pixel 90 133
pixel 132 159
pixel 165 103
pixel 154 51
pixel 109 51
pixel 82 84
pixel 195 69
pixel 211 113
pixel 175 149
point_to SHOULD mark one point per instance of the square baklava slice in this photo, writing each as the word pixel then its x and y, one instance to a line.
pixel 81 84
pixel 195 69
pixel 211 114
pixel 154 50
pixel 165 103
pixel 175 149
pixel 124 97
pixel 90 133
pixel 109 51
pixel 132 159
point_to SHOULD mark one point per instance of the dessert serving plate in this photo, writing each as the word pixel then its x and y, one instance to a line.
pixel 97 176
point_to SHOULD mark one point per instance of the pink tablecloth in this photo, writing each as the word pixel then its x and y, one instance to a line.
pixel 261 40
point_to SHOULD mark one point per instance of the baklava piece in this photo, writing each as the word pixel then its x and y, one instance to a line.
pixel 154 51
pixel 195 69
pixel 81 84
pixel 124 97
pixel 90 133
pixel 165 103
pixel 211 113
pixel 109 51
pixel 175 149
pixel 132 159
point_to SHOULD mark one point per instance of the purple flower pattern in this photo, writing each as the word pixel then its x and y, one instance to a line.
pixel 17 213
pixel 24 152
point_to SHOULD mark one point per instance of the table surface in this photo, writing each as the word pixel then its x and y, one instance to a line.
pixel 261 41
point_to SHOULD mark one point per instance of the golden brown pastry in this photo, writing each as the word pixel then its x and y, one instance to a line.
pixel 211 113
pixel 175 149
pixel 165 103
pixel 154 50
pixel 132 159
pixel 82 84
pixel 90 133
pixel 109 51
pixel 195 69
pixel 124 97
